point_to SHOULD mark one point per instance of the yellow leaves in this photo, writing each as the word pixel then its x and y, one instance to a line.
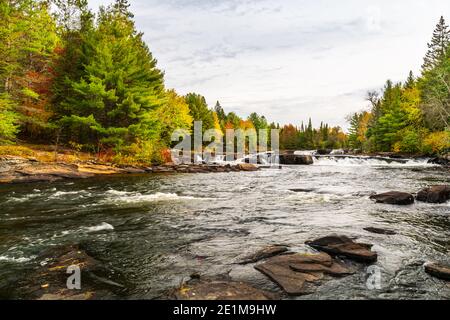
pixel 363 126
pixel 217 126
pixel 410 104
pixel 437 142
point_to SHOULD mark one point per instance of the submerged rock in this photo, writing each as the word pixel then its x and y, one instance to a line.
pixel 293 273
pixel 199 288
pixel 265 253
pixel 438 270
pixel 434 194
pixel 299 190
pixel 380 231
pixel 344 246
pixel 394 197
pixel 293 159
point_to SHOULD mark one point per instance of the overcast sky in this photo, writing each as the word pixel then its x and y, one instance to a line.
pixel 287 59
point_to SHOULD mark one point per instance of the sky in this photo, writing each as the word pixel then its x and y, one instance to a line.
pixel 288 59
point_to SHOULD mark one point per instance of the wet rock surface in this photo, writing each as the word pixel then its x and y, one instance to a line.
pixel 438 270
pixel 49 280
pixel 296 273
pixel 380 231
pixel 344 246
pixel 265 253
pixel 220 288
pixel 394 197
pixel 21 170
pixel 292 159
pixel 434 194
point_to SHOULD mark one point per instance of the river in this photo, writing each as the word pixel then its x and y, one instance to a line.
pixel 158 229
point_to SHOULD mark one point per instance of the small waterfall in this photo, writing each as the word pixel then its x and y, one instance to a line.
pixel 349 161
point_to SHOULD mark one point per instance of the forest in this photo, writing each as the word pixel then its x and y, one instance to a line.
pixel 410 117
pixel 88 81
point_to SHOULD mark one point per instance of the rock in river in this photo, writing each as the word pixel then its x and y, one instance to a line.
pixel 394 197
pixel 294 272
pixel 219 289
pixel 435 194
pixel 293 159
pixel 438 270
pixel 380 231
pixel 247 167
pixel 49 281
pixel 265 253
pixel 344 246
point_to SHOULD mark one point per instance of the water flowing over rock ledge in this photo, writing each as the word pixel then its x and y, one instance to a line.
pixel 22 170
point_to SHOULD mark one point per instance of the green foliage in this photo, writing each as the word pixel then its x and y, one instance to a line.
pixel 113 101
pixel 27 41
pixel 8 119
pixel 437 143
pixel 414 117
pixel 199 111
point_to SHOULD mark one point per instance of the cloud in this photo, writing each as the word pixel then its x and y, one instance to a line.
pixel 291 59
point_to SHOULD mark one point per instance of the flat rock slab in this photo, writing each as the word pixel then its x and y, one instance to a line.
pixel 293 272
pixel 211 289
pixel 380 231
pixel 247 167
pixel 344 246
pixel 265 253
pixel 438 270
pixel 49 281
pixel 394 197
pixel 435 194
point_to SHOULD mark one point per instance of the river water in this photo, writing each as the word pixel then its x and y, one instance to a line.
pixel 159 229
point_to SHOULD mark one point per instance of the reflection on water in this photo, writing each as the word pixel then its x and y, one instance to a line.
pixel 159 229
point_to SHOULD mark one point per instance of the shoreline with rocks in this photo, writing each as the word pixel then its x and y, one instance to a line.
pixel 15 170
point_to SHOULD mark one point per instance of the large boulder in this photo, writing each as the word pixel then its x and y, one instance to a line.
pixel 435 194
pixel 438 270
pixel 295 273
pixel 293 159
pixel 394 197
pixel 344 246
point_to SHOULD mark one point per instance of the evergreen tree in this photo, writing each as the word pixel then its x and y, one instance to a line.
pixel 119 88
pixel 199 110
pixel 438 46
pixel 411 81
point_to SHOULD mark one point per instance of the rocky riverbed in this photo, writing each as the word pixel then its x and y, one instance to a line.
pixel 303 232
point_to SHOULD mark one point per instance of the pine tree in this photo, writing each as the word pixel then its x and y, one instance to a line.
pixel 411 81
pixel 114 100
pixel 438 46
pixel 199 110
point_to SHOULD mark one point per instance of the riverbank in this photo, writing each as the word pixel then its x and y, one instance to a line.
pixel 15 169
